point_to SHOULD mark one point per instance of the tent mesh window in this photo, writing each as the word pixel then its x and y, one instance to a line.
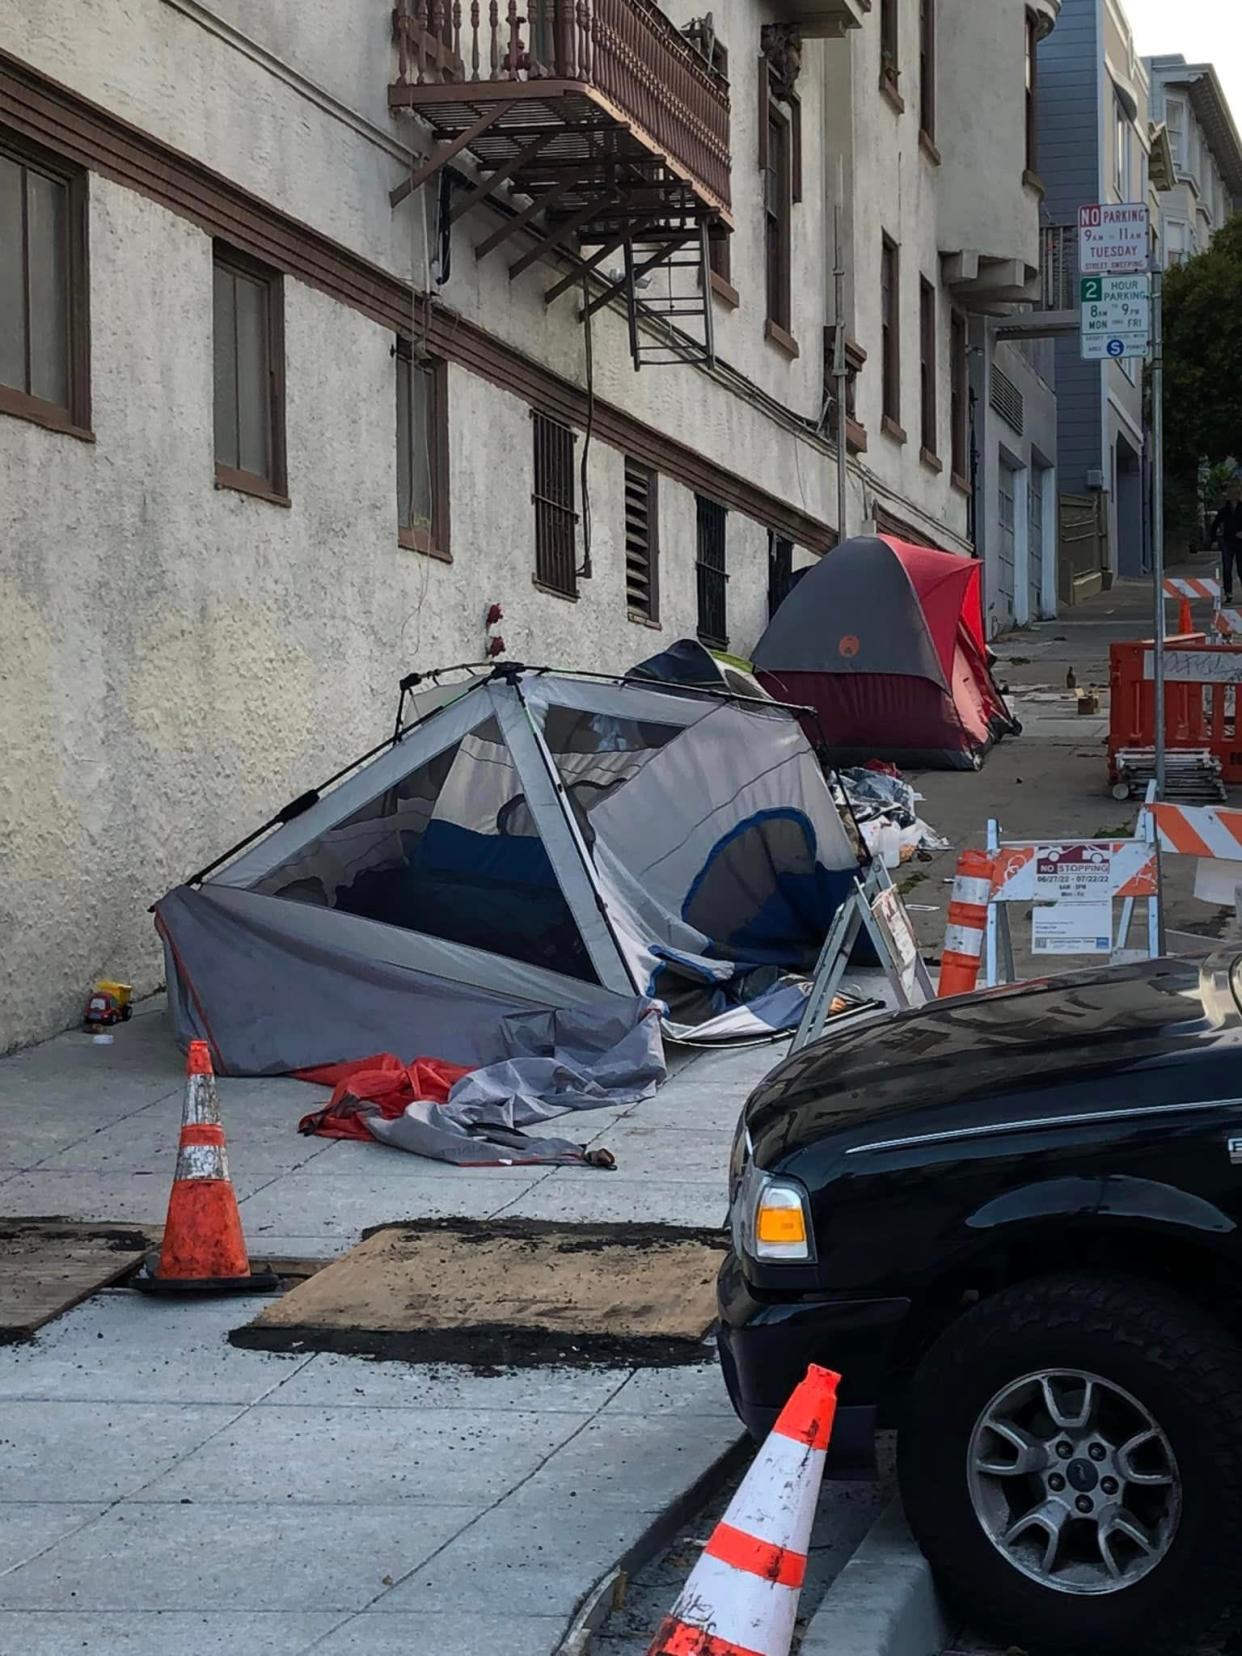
pixel 597 753
pixel 452 851
pixel 556 522
pixel 641 541
pixel 710 569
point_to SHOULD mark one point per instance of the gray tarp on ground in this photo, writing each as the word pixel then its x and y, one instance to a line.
pixel 561 1062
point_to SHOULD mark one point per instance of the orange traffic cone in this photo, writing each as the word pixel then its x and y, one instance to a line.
pixel 1185 619
pixel 968 918
pixel 742 1595
pixel 204 1250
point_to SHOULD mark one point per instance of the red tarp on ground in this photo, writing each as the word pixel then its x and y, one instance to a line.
pixel 382 1081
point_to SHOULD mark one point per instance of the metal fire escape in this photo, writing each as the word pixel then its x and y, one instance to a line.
pixel 609 127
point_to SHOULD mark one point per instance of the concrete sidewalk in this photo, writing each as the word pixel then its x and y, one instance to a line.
pixel 163 1492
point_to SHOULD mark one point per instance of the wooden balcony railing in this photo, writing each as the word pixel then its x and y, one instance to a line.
pixel 626 51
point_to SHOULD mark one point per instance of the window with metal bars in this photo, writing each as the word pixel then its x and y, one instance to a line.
pixel 890 329
pixel 712 576
pixel 780 571
pixel 556 521
pixel 927 367
pixel 927 69
pixel 642 541
pixel 959 392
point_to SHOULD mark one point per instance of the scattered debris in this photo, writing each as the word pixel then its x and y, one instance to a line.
pixel 884 806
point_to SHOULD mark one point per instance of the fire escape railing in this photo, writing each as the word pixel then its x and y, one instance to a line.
pixel 626 51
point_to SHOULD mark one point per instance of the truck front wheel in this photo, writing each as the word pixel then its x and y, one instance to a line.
pixel 1071 1464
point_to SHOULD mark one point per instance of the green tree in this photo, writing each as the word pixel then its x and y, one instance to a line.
pixel 1203 357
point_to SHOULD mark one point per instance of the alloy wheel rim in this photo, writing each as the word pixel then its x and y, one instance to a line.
pixel 1074 1482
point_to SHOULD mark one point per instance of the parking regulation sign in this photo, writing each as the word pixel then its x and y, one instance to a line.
pixel 1116 317
pixel 1114 239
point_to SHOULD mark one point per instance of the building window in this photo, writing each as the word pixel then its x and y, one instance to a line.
pixel 927 368
pixel 1121 149
pixel 1175 117
pixel 249 357
pixel 890 62
pixel 777 208
pixel 720 247
pixel 927 69
pixel 556 521
pixel 712 576
pixel 422 452
pixel 780 571
pixel 44 335
pixel 1035 535
pixel 959 376
pixel 890 319
pixel 642 541
pixel 1032 95
pixel 1007 490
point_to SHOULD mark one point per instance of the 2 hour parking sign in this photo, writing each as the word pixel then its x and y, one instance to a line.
pixel 1116 317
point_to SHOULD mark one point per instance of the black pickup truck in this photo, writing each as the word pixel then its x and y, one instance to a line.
pixel 1011 1222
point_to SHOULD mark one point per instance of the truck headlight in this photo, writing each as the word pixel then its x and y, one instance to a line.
pixel 771 1219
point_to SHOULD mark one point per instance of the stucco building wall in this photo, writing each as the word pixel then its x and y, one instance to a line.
pixel 182 659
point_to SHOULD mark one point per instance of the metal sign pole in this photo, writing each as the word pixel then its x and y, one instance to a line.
pixel 840 368
pixel 1157 512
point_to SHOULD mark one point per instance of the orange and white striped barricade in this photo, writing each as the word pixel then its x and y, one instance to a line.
pixel 741 1598
pixel 1213 836
pixel 872 905
pixel 962 954
pixel 1082 878
pixel 1187 591
pixel 1228 622
pixel 1197 589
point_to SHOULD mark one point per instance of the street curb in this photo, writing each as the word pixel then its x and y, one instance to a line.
pixel 884 1602
pixel 594 1606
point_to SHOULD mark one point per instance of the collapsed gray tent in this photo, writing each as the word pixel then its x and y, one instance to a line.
pixel 538 844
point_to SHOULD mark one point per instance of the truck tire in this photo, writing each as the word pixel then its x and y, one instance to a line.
pixel 1070 1459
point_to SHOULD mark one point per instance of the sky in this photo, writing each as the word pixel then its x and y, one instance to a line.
pixel 1203 31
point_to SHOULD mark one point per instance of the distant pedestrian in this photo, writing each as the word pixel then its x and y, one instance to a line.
pixel 1227 534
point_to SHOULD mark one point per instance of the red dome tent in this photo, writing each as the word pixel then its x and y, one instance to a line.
pixel 885 641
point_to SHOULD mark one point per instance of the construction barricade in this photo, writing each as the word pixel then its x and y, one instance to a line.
pixel 1072 886
pixel 1214 838
pixel 1201 714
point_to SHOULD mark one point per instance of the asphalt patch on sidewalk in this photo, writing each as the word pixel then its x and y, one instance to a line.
pixel 521 1293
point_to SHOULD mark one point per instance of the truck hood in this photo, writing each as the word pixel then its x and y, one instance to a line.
pixel 1055 1045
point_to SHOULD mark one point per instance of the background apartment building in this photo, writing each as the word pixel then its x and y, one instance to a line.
pixel 1094 106
pixel 1206 188
pixel 294 381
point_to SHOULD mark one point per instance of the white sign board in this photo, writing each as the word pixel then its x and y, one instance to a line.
pixel 1072 929
pixel 1219 665
pixel 1073 874
pixel 1113 239
pixel 1116 317
pixel 895 924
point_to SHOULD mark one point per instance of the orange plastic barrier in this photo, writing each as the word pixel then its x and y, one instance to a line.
pixel 1203 683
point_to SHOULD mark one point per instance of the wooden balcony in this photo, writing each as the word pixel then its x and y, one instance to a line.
pixel 599 110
